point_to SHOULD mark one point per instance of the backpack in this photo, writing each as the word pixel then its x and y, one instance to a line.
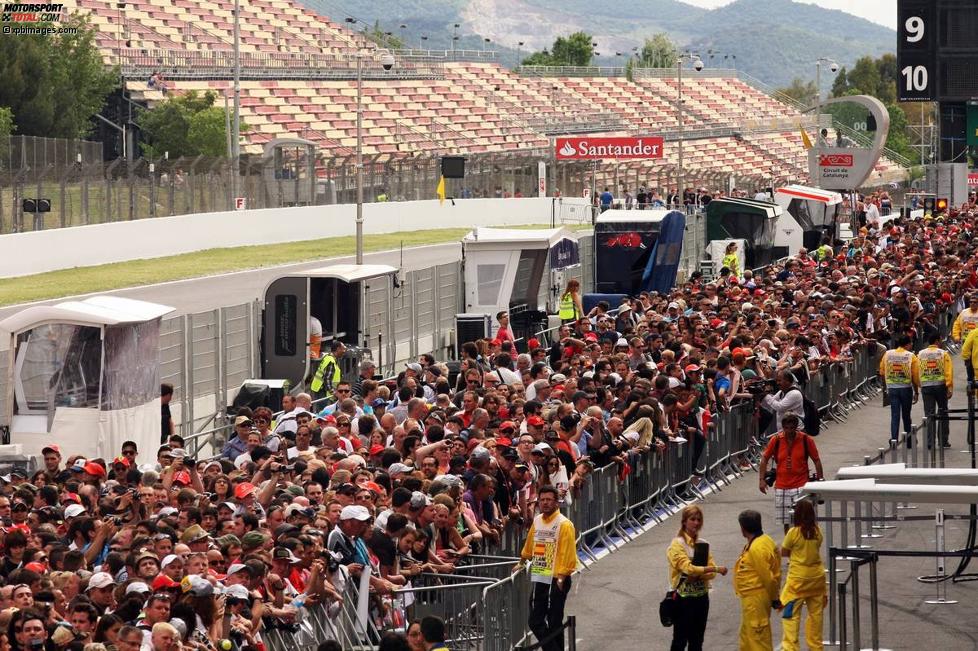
pixel 812 419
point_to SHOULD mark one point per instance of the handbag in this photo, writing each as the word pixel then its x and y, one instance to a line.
pixel 669 606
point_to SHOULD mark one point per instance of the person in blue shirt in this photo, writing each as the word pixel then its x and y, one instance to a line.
pixel 606 199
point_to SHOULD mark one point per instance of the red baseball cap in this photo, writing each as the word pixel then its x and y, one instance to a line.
pixel 507 424
pixel 40 568
pixel 182 477
pixel 243 490
pixel 71 497
pixel 535 421
pixel 504 441
pixel 692 368
pixel 94 469
pixel 52 448
pixel 18 527
pixel 163 582
pixel 533 343
pixel 590 336
pixel 121 461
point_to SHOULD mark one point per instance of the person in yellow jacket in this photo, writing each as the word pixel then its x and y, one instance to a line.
pixel 551 546
pixel 969 353
pixel 757 581
pixel 900 369
pixel 967 320
pixel 936 386
pixel 730 260
pixel 805 583
pixel 328 373
pixel 691 582
pixel 571 309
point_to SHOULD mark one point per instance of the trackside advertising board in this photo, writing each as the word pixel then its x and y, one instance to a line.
pixel 595 148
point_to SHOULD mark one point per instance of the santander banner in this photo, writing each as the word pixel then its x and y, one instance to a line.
pixel 588 148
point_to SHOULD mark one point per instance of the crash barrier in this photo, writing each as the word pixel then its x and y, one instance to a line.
pixel 486 607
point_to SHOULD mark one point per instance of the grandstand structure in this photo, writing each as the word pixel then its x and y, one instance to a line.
pixel 298 81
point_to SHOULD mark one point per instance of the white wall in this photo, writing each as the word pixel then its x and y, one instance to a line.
pixel 29 253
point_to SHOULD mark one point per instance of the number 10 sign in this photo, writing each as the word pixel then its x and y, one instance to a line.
pixel 916 51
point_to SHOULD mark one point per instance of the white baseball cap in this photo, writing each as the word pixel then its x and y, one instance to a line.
pixel 100 580
pixel 355 512
pixel 74 510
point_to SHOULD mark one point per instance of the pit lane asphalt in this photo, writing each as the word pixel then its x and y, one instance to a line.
pixel 616 600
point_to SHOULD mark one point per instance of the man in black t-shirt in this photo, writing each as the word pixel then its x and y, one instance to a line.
pixel 166 424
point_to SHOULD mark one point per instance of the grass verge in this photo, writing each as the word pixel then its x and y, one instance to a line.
pixel 119 275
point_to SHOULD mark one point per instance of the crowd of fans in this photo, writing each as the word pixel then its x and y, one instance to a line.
pixel 155 550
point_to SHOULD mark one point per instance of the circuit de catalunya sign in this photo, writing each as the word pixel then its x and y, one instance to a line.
pixel 587 148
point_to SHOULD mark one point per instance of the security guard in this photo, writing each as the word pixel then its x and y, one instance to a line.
pixel 570 309
pixel 757 581
pixel 730 260
pixel 550 546
pixel 900 369
pixel 936 386
pixel 968 352
pixel 328 373
pixel 824 252
pixel 967 320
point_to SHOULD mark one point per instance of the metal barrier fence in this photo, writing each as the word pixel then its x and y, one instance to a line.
pixel 95 192
pixel 487 608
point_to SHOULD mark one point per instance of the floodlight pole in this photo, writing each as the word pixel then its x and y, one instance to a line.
pixel 236 135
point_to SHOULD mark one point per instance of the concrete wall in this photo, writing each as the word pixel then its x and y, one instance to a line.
pixel 35 252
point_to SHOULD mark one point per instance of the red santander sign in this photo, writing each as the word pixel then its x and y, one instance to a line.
pixel 588 148
pixel 835 160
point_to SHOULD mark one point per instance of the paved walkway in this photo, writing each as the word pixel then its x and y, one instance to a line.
pixel 616 600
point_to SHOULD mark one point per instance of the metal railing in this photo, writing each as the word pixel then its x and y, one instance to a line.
pixel 138 63
pixel 571 71
pixel 487 608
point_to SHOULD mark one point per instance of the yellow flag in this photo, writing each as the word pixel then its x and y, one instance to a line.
pixel 805 140
pixel 440 191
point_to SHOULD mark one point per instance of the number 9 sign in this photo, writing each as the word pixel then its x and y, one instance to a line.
pixel 915 51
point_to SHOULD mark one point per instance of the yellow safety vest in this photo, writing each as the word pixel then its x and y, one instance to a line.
pixel 731 262
pixel 898 369
pixel 544 548
pixel 320 377
pixel 568 309
pixel 931 367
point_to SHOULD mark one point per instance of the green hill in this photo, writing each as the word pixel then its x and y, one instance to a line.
pixel 773 40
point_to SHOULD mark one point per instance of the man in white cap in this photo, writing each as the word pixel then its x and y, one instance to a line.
pixel 100 591
pixel 346 539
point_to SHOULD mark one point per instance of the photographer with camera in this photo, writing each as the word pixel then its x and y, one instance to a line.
pixel 791 450
pixel 787 400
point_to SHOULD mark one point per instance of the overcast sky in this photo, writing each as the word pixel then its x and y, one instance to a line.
pixel 878 11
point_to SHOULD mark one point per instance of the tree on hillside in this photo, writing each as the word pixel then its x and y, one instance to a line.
pixel 186 125
pixel 800 91
pixel 573 50
pixel 6 128
pixel 54 83
pixel 658 52
pixel 382 38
